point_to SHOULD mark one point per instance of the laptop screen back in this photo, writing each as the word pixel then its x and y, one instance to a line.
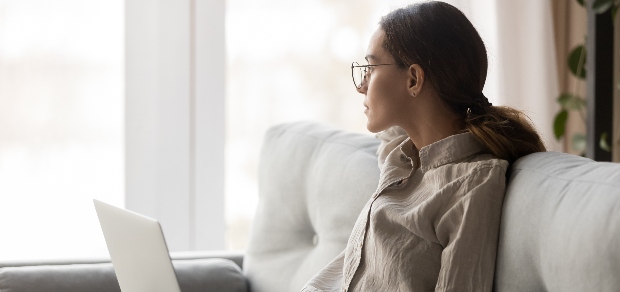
pixel 138 250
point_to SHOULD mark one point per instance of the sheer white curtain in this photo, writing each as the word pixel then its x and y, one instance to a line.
pixel 522 64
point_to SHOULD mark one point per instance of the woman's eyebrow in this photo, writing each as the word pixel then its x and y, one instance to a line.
pixel 370 57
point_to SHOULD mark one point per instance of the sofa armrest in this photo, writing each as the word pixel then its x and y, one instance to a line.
pixel 196 271
pixel 235 256
pixel 215 274
pixel 54 262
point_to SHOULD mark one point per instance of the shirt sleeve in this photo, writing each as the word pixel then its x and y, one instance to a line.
pixel 469 230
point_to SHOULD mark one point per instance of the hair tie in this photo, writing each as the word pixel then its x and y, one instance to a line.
pixel 484 101
pixel 479 106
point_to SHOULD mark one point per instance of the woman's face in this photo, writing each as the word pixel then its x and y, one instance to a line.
pixel 385 88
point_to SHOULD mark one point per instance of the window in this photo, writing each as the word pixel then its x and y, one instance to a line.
pixel 61 124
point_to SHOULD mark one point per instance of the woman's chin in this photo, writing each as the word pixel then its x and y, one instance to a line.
pixel 373 128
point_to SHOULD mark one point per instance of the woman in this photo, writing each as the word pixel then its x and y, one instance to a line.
pixel 433 222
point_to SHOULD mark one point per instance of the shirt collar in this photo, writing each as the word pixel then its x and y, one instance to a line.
pixel 451 149
pixel 404 159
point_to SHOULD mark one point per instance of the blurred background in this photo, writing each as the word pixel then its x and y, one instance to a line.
pixel 63 96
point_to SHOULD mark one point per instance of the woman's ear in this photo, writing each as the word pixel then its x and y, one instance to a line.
pixel 416 79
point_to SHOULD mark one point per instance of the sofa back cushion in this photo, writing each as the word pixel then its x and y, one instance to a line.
pixel 560 226
pixel 313 182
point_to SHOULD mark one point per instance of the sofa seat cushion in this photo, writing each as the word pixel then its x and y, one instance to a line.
pixel 560 226
pixel 193 275
pixel 313 182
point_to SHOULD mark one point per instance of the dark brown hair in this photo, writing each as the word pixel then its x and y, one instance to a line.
pixel 439 37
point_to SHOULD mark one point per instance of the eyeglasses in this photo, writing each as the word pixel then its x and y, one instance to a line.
pixel 359 72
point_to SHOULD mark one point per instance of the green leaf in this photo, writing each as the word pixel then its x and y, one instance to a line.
pixel 559 124
pixel 581 3
pixel 577 61
pixel 579 142
pixel 601 6
pixel 571 101
pixel 603 142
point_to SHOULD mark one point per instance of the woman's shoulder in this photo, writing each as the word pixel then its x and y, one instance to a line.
pixel 486 161
pixel 476 169
pixel 484 172
pixel 481 165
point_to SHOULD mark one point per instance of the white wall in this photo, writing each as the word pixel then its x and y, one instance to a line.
pixel 174 119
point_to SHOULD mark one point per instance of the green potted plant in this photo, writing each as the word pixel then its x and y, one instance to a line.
pixel 573 101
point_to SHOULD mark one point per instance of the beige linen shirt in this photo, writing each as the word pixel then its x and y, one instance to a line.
pixel 432 224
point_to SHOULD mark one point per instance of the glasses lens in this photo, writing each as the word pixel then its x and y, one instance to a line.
pixel 358 75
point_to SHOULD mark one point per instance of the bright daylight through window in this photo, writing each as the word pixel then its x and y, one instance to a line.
pixel 61 124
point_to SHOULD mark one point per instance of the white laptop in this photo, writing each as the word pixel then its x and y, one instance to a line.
pixel 138 250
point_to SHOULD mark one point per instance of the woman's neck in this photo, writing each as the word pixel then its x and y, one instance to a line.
pixel 432 125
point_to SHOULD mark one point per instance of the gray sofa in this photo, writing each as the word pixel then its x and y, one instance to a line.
pixel 196 271
pixel 560 226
